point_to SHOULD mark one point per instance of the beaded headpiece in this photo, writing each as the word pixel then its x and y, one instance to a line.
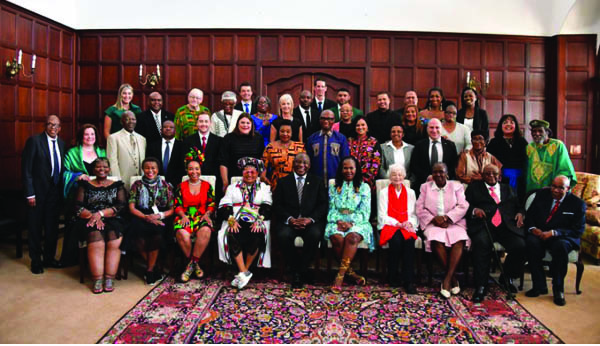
pixel 194 155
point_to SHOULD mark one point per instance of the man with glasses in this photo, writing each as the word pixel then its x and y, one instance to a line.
pixel 149 123
pixel 42 169
pixel 326 148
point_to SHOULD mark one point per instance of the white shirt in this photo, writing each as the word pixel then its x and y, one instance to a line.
pixel 438 145
pixel 205 135
pixel 249 103
pixel 303 111
pixel 398 153
pixel 382 208
pixel 469 123
pixel 440 203
pixel 164 146
pixel 496 189
pixel 51 148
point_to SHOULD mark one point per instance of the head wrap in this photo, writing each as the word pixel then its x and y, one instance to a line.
pixel 194 155
pixel 251 161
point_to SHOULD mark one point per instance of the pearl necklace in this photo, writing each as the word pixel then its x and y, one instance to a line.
pixel 196 183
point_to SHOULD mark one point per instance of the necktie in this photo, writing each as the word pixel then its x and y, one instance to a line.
pixel 434 153
pixel 496 219
pixel 247 108
pixel 307 118
pixel 324 152
pixel 320 106
pixel 157 121
pixel 553 211
pixel 166 159
pixel 134 151
pixel 56 171
pixel 203 143
pixel 300 187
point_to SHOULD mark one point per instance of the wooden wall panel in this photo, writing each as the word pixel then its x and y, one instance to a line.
pixel 132 49
pixel 516 83
pixel 176 48
pixel 155 48
pixel 380 50
pixel 335 49
pixel 494 54
pixel 358 51
pixel 449 52
pixel 516 54
pixel 25 102
pixel 471 53
pixel 111 48
pixel 269 48
pixel 380 80
pixel 246 48
pixel 426 51
pixel 404 51
pixel 314 49
pixel 223 48
pixel 291 48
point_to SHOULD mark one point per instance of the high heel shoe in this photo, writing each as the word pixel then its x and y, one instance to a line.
pixel 360 280
pixel 445 293
pixel 339 278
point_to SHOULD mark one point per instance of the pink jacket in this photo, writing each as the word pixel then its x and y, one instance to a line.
pixel 455 204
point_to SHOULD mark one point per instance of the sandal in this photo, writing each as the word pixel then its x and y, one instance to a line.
pixel 337 284
pixel 360 280
pixel 187 273
pixel 198 271
pixel 98 288
pixel 108 285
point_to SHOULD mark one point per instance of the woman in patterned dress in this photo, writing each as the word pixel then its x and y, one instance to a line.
pixel 366 150
pixel 150 202
pixel 279 155
pixel 194 206
pixel 98 204
pixel 348 219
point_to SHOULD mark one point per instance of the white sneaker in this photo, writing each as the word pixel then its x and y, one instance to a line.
pixel 236 280
pixel 244 279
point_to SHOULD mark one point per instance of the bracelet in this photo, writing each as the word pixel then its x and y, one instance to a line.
pixel 101 213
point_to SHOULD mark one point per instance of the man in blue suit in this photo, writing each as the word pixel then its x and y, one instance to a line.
pixel 555 221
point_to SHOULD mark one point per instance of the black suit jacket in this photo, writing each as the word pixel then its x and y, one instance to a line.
pixel 327 104
pixel 176 168
pixel 480 119
pixel 240 107
pixel 478 196
pixel 308 129
pixel 568 221
pixel 147 127
pixel 211 153
pixel 36 165
pixel 420 166
pixel 314 204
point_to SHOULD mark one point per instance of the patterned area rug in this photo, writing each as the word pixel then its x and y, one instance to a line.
pixel 210 311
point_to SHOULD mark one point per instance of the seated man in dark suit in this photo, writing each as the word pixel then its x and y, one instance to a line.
pixel 555 221
pixel 497 205
pixel 209 145
pixel 170 153
pixel 308 116
pixel 432 150
pixel 300 204
pixel 149 122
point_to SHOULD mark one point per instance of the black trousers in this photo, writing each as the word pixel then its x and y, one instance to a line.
pixel 559 249
pixel 311 236
pixel 400 247
pixel 482 252
pixel 44 215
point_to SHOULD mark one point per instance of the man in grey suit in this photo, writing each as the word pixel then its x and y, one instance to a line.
pixel 396 151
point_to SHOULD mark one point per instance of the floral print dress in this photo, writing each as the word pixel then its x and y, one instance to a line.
pixel 368 154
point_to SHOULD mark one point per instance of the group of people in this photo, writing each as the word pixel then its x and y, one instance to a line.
pixel 310 171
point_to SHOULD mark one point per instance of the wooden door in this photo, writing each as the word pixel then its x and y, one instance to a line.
pixel 277 81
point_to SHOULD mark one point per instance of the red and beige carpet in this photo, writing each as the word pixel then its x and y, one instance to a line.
pixel 211 311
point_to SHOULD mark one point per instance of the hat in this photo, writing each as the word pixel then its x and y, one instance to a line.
pixel 251 161
pixel 539 123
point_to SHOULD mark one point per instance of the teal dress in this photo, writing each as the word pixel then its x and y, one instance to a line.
pixel 350 206
pixel 115 115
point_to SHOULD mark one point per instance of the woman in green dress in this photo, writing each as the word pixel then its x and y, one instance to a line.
pixel 112 115
pixel 348 219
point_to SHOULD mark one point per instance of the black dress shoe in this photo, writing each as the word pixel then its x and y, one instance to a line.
pixel 510 286
pixel 410 288
pixel 53 264
pixel 559 298
pixel 534 292
pixel 297 283
pixel 478 295
pixel 37 267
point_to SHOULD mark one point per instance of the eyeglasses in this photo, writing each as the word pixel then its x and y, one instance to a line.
pixel 52 125
pixel 155 100
pixel 449 112
pixel 327 119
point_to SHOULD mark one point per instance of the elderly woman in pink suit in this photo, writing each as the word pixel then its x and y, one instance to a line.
pixel 441 210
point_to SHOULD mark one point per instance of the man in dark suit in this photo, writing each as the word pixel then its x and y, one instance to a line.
pixel 431 150
pixel 320 102
pixel 209 145
pixel 379 121
pixel 307 115
pixel 170 153
pixel 498 206
pixel 246 103
pixel 149 122
pixel 42 169
pixel 300 203
pixel 555 222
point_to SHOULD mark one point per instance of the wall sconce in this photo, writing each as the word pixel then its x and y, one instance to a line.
pixel 472 82
pixel 13 67
pixel 151 79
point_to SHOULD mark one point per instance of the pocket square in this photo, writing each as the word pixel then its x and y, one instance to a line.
pixel 567 213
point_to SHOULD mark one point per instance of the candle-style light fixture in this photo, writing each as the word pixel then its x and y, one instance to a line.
pixel 16 65
pixel 151 79
pixel 472 82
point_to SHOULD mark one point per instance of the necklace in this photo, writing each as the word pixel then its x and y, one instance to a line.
pixel 196 183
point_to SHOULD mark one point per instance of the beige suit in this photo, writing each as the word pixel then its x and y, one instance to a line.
pixel 125 159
